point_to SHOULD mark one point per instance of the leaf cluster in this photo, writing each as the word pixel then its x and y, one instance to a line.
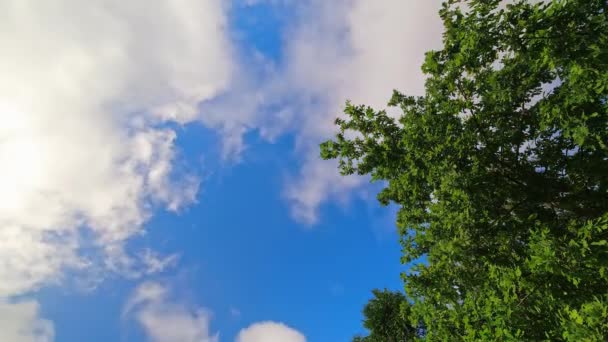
pixel 500 171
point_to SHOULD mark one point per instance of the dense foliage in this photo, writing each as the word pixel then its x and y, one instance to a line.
pixel 501 172
pixel 386 318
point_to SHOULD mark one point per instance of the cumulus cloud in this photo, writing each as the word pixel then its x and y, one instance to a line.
pixel 164 320
pixel 85 94
pixel 269 332
pixel 20 322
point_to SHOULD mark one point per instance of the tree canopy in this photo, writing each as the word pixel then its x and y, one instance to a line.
pixel 386 318
pixel 500 171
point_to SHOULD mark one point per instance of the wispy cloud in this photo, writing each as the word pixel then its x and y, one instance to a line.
pixel 333 51
pixel 167 320
pixel 357 50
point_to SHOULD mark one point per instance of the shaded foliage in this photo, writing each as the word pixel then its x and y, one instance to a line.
pixel 385 317
pixel 501 172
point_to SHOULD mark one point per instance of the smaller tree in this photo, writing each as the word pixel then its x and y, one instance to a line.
pixel 385 317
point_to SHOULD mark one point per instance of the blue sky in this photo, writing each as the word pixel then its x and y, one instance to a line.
pixel 163 180
pixel 241 250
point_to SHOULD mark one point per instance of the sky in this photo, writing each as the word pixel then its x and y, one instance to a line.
pixel 160 176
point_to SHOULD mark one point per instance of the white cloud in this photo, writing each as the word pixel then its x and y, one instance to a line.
pixel 317 181
pixel 85 91
pixel 336 50
pixel 19 322
pixel 269 332
pixel 164 320
pixel 154 262
pixel 358 50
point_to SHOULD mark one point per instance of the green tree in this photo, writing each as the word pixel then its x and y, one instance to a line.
pixel 385 317
pixel 500 171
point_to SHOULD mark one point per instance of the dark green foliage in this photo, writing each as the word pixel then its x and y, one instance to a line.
pixel 386 318
pixel 501 172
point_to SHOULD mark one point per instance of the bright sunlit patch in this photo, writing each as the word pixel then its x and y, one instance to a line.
pixel 21 157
